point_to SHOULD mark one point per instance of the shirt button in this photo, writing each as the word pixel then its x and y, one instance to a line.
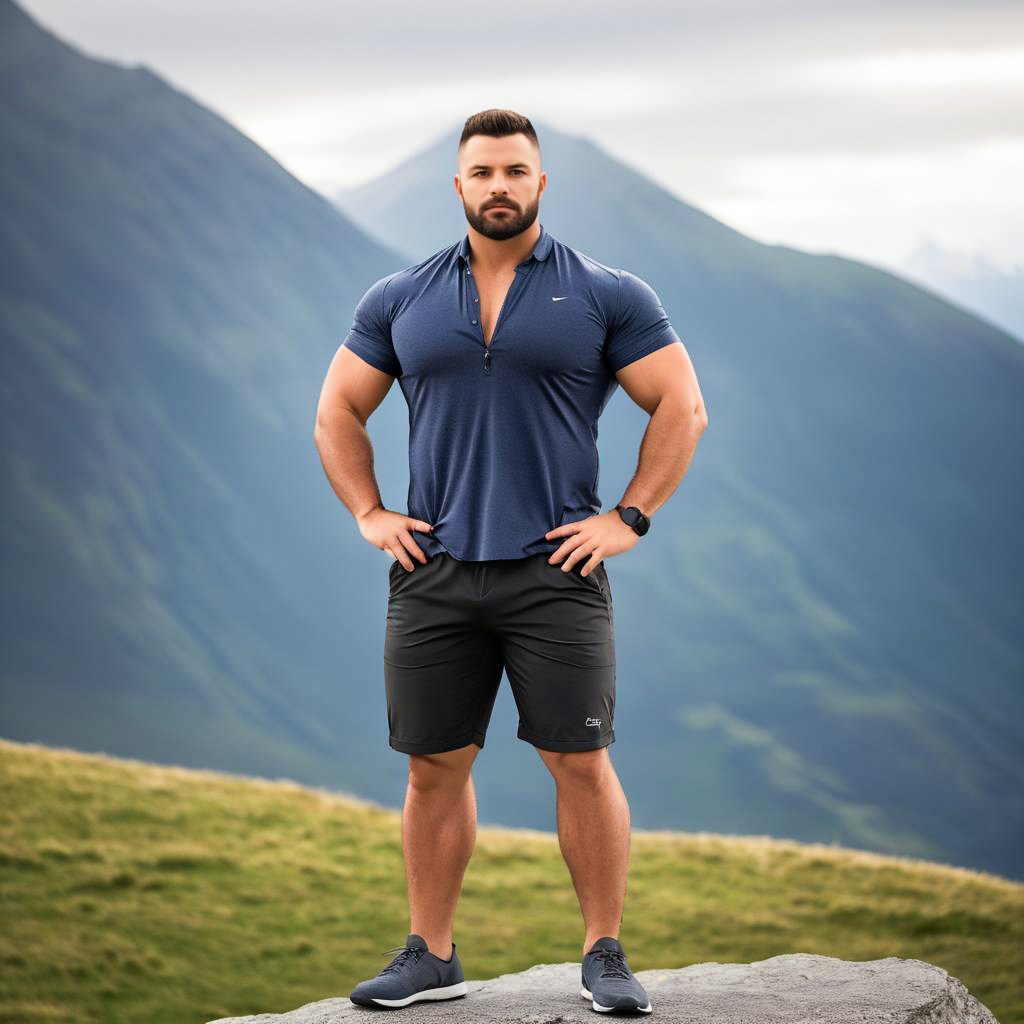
pixel 474 321
pixel 476 300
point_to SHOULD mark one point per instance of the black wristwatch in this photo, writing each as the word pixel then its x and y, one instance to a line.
pixel 634 518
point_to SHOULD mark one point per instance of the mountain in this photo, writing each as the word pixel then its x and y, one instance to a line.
pixel 973 282
pixel 179 580
pixel 170 895
pixel 818 638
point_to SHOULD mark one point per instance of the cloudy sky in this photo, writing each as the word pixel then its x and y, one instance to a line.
pixel 852 126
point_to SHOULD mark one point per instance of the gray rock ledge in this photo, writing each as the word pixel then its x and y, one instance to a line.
pixel 795 988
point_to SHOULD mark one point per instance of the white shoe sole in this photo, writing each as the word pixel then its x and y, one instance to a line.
pixel 451 992
pixel 611 1009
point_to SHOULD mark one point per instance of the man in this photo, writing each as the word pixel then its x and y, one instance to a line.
pixel 507 346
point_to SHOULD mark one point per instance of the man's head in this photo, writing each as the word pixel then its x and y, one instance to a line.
pixel 499 165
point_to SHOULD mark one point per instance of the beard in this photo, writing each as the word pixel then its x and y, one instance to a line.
pixel 503 224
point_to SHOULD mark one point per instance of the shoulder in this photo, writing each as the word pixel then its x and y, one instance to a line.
pixel 580 263
pixel 612 283
pixel 634 292
pixel 391 290
pixel 593 277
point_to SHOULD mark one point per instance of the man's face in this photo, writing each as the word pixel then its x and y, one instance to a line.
pixel 496 173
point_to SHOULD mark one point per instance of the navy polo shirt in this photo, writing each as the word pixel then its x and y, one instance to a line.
pixel 503 439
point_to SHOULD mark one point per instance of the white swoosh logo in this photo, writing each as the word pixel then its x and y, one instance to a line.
pixel 558 298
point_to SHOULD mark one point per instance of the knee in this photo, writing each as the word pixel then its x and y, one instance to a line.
pixel 581 767
pixel 449 770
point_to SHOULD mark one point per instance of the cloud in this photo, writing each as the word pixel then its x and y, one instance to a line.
pixel 782 117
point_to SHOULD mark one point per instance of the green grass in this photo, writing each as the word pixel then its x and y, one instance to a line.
pixel 137 892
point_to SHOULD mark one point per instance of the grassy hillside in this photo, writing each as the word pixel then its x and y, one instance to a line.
pixel 138 892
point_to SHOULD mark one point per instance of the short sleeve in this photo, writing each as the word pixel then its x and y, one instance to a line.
pixel 640 325
pixel 370 334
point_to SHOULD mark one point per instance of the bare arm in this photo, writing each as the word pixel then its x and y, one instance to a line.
pixel 351 392
pixel 664 385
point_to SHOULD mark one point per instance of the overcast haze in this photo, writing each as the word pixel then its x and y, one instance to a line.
pixel 864 129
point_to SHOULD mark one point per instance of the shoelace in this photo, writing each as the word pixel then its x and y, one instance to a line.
pixel 613 963
pixel 407 954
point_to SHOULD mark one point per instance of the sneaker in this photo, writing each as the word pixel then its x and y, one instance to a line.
pixel 609 983
pixel 412 975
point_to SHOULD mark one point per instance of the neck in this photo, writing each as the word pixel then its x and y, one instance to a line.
pixel 491 256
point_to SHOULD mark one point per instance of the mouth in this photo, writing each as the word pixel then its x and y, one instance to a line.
pixel 499 207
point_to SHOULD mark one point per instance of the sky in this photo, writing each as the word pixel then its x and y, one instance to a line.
pixel 863 128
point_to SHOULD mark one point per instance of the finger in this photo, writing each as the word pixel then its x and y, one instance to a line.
pixel 565 530
pixel 575 555
pixel 410 542
pixel 410 547
pixel 418 524
pixel 557 555
pixel 401 555
pixel 578 564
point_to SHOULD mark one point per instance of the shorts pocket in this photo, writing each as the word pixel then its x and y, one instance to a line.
pixel 601 580
pixel 397 573
pixel 596 579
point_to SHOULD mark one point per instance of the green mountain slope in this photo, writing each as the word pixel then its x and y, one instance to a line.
pixel 174 572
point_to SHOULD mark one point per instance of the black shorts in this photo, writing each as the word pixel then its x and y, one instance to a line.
pixel 453 626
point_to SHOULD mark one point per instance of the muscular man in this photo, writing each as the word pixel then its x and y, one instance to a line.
pixel 507 346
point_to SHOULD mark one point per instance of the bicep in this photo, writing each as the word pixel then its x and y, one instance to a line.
pixel 665 372
pixel 353 385
pixel 365 365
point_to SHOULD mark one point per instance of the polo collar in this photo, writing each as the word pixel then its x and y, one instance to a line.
pixel 540 250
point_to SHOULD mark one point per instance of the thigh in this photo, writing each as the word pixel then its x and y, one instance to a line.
pixel 558 645
pixel 441 671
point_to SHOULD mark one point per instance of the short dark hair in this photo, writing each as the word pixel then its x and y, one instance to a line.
pixel 497 123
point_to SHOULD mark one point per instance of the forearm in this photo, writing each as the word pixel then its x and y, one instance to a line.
pixel 666 451
pixel 347 457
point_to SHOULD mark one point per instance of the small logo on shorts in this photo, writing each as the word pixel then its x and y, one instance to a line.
pixel 594 721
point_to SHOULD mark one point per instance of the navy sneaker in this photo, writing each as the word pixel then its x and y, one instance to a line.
pixel 412 975
pixel 609 983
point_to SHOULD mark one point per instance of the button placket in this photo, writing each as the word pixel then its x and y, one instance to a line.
pixel 470 285
pixel 498 320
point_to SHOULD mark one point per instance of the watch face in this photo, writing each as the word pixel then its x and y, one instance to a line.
pixel 634 518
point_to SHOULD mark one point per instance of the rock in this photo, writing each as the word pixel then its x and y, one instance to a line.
pixel 793 987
